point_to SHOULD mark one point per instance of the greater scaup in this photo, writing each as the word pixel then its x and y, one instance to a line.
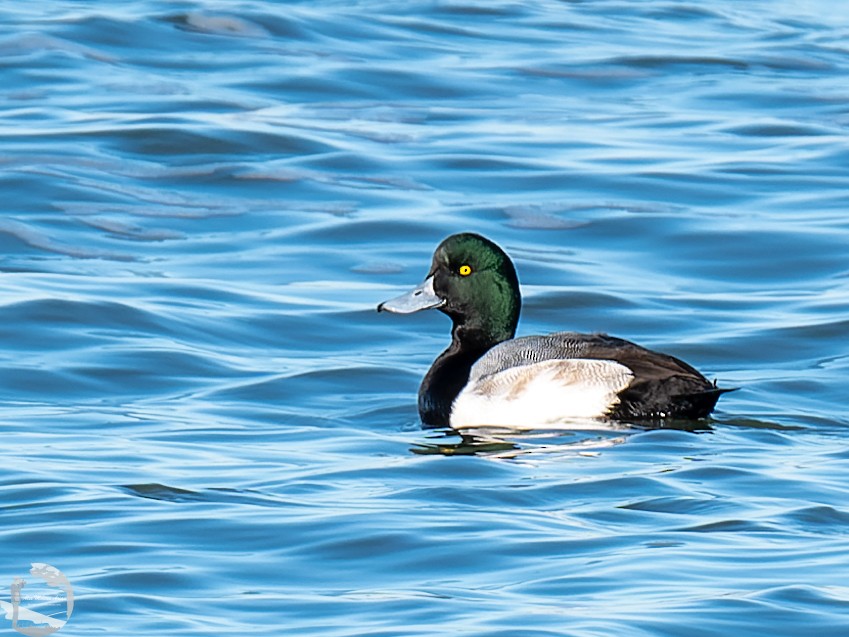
pixel 488 378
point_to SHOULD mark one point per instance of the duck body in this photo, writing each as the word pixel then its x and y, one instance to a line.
pixel 488 378
pixel 562 378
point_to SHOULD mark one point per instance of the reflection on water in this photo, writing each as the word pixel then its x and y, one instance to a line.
pixel 506 445
pixel 584 437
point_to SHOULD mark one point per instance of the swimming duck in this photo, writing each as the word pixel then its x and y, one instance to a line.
pixel 487 377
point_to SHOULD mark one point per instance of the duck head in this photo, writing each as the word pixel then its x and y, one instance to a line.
pixel 473 281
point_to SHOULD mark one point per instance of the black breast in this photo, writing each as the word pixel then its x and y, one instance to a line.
pixel 443 381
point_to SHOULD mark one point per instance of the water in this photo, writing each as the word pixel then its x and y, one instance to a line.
pixel 209 430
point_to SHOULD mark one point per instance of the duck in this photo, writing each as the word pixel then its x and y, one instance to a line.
pixel 487 377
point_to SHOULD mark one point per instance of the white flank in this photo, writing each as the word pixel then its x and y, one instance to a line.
pixel 549 394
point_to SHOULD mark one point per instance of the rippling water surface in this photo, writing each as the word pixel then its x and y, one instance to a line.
pixel 209 430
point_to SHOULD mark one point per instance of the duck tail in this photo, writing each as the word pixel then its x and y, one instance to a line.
pixel 699 404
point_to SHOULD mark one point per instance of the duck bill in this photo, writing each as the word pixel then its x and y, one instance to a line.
pixel 421 298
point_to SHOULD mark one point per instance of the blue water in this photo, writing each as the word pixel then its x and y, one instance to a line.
pixel 209 430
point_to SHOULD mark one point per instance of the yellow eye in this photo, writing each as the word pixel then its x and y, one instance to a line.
pixel 465 270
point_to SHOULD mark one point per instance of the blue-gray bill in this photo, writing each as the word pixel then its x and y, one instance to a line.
pixel 421 298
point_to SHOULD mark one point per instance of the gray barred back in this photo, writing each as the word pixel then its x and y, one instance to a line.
pixel 533 349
